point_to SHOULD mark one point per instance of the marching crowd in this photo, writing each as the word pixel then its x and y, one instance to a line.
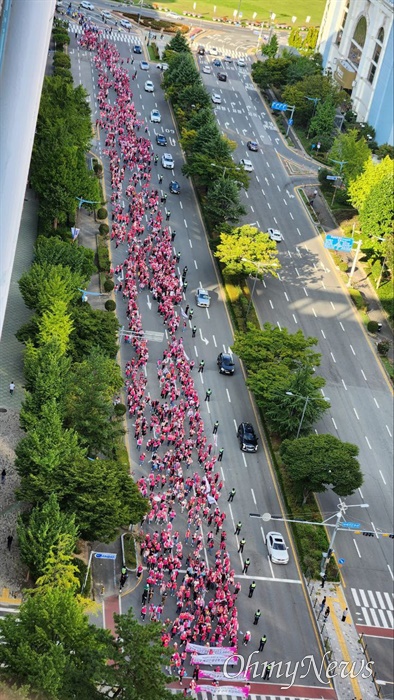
pixel 176 457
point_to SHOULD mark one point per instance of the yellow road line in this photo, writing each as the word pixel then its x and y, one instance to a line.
pixel 8 599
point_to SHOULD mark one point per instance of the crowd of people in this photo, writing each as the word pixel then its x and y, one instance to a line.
pixel 177 460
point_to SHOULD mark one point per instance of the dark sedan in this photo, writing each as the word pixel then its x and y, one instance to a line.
pixel 175 187
pixel 161 140
pixel 222 77
pixel 225 363
pixel 252 146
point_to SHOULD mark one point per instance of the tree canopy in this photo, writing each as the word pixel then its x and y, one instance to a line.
pixel 247 251
pixel 316 462
pixel 353 151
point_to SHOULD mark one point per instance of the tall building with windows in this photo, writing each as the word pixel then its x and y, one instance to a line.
pixel 356 42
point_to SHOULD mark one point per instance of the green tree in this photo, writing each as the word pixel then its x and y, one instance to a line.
pixel 271 49
pixel 41 285
pixel 51 647
pixel 41 530
pixel 295 38
pixel 222 202
pixel 178 43
pixel 89 401
pixel 310 41
pixel 46 369
pixel 303 66
pixel 43 456
pixel 103 497
pixel 59 570
pixel 273 71
pixel 315 85
pixel 194 97
pixel 371 175
pixel 54 251
pixel 55 324
pixel 92 327
pixel 318 461
pixel 351 149
pixel 296 404
pixel 244 246
pixel 377 220
pixel 138 659
pixel 322 123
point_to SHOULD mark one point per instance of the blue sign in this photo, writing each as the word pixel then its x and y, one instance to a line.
pixel 341 561
pixel 104 555
pixel 338 243
pixel 332 177
pixel 291 122
pixel 351 526
pixel 281 106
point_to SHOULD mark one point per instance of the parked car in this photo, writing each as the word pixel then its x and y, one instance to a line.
pixel 246 164
pixel 202 298
pixel 207 69
pixel 225 363
pixel 175 187
pixel 163 66
pixel 222 77
pixel 167 161
pixel 277 549
pixel 216 99
pixel 87 5
pixel 247 437
pixel 275 235
pixel 252 146
pixel 155 117
pixel 144 65
pixel 137 49
pixel 161 140
pixel 149 87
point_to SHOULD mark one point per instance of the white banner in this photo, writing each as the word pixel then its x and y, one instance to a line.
pixel 235 691
pixel 218 676
pixel 210 659
pixel 200 649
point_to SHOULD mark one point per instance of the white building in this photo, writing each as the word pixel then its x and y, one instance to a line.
pixel 356 42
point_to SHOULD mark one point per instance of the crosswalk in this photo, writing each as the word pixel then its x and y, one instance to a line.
pixel 124 37
pixel 374 608
pixel 208 696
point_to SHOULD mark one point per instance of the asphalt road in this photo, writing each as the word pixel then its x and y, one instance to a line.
pixel 285 612
pixel 308 295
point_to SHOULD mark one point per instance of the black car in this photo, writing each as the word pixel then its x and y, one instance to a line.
pixel 252 145
pixel 201 51
pixel 175 187
pixel 247 437
pixel 222 77
pixel 225 363
pixel 137 49
pixel 161 140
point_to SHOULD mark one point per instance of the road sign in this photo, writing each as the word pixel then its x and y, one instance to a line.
pixel 104 555
pixel 280 106
pixel 338 243
pixel 351 526
pixel 291 122
pixel 341 561
pixel 332 177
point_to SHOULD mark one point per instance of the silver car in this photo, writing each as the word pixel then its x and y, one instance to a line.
pixel 202 298
pixel 277 549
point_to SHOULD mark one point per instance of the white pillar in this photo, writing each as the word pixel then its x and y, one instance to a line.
pixel 22 70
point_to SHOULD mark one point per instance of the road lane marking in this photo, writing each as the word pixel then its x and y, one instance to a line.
pixel 214 341
pixel 344 385
pixel 223 477
pixel 298 231
pixel 351 347
pixel 295 320
pixel 196 352
pixel 180 204
pixel 368 443
pixel 195 264
pixel 271 304
pixel 185 222
pixel 383 479
pixel 235 422
pixel 323 334
pixel 228 396
pixel 291 215
pixel 332 305
pixel 314 312
pixel 388 430
pixel 269 206
pixel 377 405
pixel 254 497
pixel 341 324
pixel 306 293
pixel 287 298
pixel 363 373
pixel 355 413
pixel 333 358
pixel 298 274
pixel 334 423
pixel 244 458
pixel 357 549
pixel 263 193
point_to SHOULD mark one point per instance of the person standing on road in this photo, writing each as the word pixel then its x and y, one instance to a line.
pixel 257 616
pixel 231 495
pixel 262 642
pixel 246 566
pixel 9 542
pixel 220 455
pixel 251 589
pixel 208 395
pixel 267 672
pixel 3 476
pixel 194 331
pixel 201 366
pixel 238 528
pixel 12 387
pixel 191 312
pixel 215 427
pixel 241 545
pixel 344 615
pixel 246 638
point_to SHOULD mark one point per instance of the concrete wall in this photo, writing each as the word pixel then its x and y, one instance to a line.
pixel 21 77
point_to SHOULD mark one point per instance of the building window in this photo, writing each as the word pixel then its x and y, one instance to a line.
pixel 371 73
pixel 380 37
pixel 344 18
pixel 376 54
pixel 358 41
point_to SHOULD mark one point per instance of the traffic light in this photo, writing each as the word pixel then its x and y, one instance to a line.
pixel 368 534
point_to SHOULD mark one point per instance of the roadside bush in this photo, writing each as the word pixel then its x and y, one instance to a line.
pixel 108 285
pixel 373 326
pixel 98 169
pixel 120 409
pixel 61 60
pixel 102 213
pixel 61 38
pixel 340 263
pixel 110 305
pixel 383 348
pixel 104 264
pixel 357 299
pixel 103 229
pixel 64 74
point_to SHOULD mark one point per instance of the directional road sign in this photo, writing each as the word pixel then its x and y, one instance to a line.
pixel 338 243
pixel 280 106
pixel 291 122
pixel 351 526
pixel 104 555
pixel 341 561
pixel 332 177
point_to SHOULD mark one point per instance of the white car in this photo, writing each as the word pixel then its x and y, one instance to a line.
pixel 207 69
pixel 216 99
pixel 149 87
pixel 246 165
pixel 125 23
pixel 213 51
pixel 163 66
pixel 173 15
pixel 144 65
pixel 277 550
pixel 241 63
pixel 87 5
pixel 275 235
pixel 106 14
pixel 155 116
pixel 167 161
pixel 202 298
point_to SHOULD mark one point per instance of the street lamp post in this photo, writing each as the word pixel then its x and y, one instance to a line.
pixel 315 100
pixel 307 399
pixel 258 266
pixel 341 163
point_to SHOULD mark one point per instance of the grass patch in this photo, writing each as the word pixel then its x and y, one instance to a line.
pixel 388 365
pixel 225 8
pixel 153 52
pixel 130 551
